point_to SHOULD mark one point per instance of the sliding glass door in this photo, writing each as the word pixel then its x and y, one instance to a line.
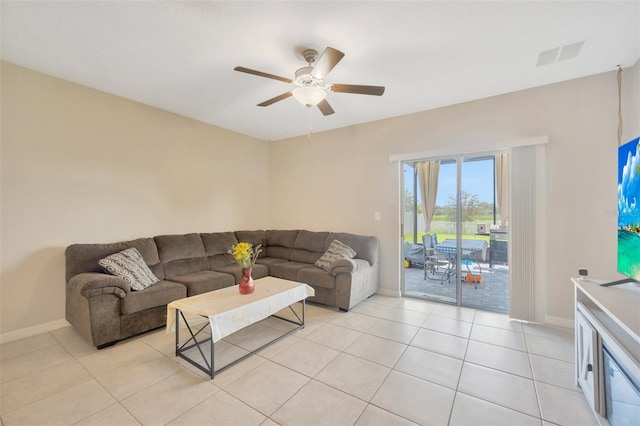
pixel 451 223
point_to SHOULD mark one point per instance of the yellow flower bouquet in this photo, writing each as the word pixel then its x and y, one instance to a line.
pixel 245 255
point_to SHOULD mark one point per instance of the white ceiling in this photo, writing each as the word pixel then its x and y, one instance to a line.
pixel 179 55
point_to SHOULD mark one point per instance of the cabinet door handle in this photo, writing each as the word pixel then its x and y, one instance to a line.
pixel 589 367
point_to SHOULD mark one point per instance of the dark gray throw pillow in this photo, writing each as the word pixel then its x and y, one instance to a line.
pixel 131 267
pixel 336 250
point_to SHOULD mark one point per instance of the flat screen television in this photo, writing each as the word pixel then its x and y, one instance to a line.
pixel 629 210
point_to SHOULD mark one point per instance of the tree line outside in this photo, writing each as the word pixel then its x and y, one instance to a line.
pixel 472 209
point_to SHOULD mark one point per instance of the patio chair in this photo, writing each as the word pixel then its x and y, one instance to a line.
pixel 435 266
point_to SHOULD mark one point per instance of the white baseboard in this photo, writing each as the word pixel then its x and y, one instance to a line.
pixel 561 322
pixel 23 333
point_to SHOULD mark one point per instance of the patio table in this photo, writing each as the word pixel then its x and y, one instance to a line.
pixel 471 250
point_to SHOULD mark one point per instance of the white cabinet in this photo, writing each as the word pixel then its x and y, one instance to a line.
pixel 587 360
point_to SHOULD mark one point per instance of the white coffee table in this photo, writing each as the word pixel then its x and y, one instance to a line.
pixel 226 311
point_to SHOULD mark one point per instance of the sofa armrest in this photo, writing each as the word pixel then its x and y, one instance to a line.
pixel 90 284
pixel 347 266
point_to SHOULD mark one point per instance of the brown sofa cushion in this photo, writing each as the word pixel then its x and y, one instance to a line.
pixel 159 294
pixel 311 241
pixel 218 242
pixel 84 257
pixel 204 281
pixel 316 277
pixel 287 270
pixel 258 271
pixel 276 237
pixel 178 247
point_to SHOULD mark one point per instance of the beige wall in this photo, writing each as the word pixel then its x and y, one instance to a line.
pixel 79 165
pixel 631 103
pixel 340 178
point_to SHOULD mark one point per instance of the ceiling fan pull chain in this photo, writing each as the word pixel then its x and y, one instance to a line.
pixel 310 128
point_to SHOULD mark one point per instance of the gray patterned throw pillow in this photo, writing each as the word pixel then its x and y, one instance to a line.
pixel 130 266
pixel 336 250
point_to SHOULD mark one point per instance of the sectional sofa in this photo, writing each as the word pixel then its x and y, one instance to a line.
pixel 104 309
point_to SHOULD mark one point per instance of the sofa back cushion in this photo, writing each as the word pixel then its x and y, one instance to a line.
pixel 309 246
pixel 254 238
pixel 216 247
pixel 181 254
pixel 81 258
pixel 366 248
pixel 280 243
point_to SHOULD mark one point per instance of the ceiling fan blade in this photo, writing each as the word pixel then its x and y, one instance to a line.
pixel 262 74
pixel 329 59
pixel 360 90
pixel 274 100
pixel 325 108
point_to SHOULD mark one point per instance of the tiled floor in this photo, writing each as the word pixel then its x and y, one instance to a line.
pixel 491 293
pixel 388 361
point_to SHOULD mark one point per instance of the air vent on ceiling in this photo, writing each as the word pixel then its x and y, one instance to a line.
pixel 561 53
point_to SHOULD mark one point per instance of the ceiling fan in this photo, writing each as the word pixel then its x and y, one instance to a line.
pixel 312 90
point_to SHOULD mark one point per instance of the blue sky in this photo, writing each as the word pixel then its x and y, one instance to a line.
pixel 477 178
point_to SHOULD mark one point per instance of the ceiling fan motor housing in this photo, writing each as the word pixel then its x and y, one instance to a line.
pixel 304 78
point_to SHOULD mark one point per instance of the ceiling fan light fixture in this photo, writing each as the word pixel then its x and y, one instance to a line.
pixel 309 96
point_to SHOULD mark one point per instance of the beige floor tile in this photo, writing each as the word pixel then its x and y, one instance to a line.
pixel 498 336
pixel 354 321
pixel 309 327
pixel 554 372
pixel 561 349
pixel 220 409
pixel 375 416
pixel 110 416
pixel 384 300
pixel 73 341
pixel 370 308
pixel 355 376
pixel 321 313
pixel 564 407
pixel 470 411
pixel 507 390
pixel 113 357
pixel 269 422
pixel 164 401
pixel 499 358
pixel 392 330
pixel 377 349
pixel 454 312
pixel 33 361
pixel 440 369
pixel 405 316
pixel 62 408
pixel 27 389
pixel 415 399
pixel 131 378
pixel 549 331
pixel 267 387
pixel 275 348
pixel 416 305
pixel 445 344
pixel 493 319
pixel 448 325
pixel 161 341
pixel 254 336
pixel 27 345
pixel 306 357
pixel 310 407
pixel 335 337
pixel 233 373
